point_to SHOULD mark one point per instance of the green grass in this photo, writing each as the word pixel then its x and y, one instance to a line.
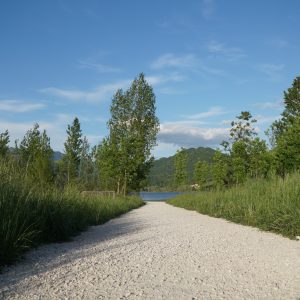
pixel 30 216
pixel 271 205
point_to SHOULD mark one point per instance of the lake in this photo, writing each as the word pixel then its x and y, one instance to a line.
pixel 158 196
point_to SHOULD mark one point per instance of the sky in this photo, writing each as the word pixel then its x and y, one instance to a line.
pixel 207 60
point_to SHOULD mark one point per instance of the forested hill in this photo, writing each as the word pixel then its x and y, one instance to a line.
pixel 162 172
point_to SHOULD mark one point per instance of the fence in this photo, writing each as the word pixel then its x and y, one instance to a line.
pixel 109 194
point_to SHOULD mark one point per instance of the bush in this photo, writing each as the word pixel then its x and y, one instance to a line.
pixel 272 205
pixel 32 215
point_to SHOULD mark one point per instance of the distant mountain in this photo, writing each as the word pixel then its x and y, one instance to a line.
pixel 162 171
pixel 57 155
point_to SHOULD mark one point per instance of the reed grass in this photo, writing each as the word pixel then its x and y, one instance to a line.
pixel 32 215
pixel 271 205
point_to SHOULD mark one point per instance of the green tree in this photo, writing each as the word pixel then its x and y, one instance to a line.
pixel 201 173
pixel 73 149
pixel 288 149
pixel 87 166
pixel 133 127
pixel 242 129
pixel 220 169
pixel 36 155
pixel 4 141
pixel 291 111
pixel 260 160
pixel 180 164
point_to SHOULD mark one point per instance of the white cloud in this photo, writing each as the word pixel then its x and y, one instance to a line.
pixel 171 60
pixel 100 93
pixel 161 79
pixel 188 62
pixel 212 112
pixel 190 136
pixel 98 67
pixel 208 7
pixel 279 43
pixel 277 105
pixel 17 106
pixel 164 150
pixel 266 119
pixel 221 49
pixel 273 71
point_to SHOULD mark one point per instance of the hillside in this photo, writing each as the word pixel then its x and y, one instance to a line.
pixel 162 172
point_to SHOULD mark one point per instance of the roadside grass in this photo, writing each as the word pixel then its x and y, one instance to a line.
pixel 31 215
pixel 271 205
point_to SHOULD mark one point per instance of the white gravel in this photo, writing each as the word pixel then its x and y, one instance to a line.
pixel 160 252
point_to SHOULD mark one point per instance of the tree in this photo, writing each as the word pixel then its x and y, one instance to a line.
pixel 4 140
pixel 288 149
pixel 180 164
pixel 291 111
pixel 86 166
pixel 36 155
pixel 242 129
pixel 133 127
pixel 73 148
pixel 260 160
pixel 220 169
pixel 201 173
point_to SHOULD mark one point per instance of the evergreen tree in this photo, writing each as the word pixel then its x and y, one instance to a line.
pixel 180 164
pixel 4 140
pixel 73 149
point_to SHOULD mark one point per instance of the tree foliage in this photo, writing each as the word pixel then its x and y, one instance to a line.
pixel 73 151
pixel 180 163
pixel 133 127
pixel 4 140
pixel 35 154
pixel 201 173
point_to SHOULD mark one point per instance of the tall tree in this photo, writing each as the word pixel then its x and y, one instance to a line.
pixel 291 111
pixel 133 128
pixel 180 164
pixel 201 173
pixel 288 149
pixel 36 155
pixel 86 167
pixel 4 140
pixel 220 169
pixel 73 149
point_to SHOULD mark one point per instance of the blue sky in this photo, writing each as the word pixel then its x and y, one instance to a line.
pixel 207 60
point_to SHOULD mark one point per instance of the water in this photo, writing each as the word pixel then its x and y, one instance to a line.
pixel 158 196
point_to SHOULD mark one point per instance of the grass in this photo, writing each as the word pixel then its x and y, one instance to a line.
pixel 271 205
pixel 30 216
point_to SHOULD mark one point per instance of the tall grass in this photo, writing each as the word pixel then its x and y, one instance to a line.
pixel 271 205
pixel 32 215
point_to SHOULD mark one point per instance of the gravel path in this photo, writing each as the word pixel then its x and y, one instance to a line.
pixel 160 252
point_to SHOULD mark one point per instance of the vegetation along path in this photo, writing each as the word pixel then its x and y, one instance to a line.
pixel 160 252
